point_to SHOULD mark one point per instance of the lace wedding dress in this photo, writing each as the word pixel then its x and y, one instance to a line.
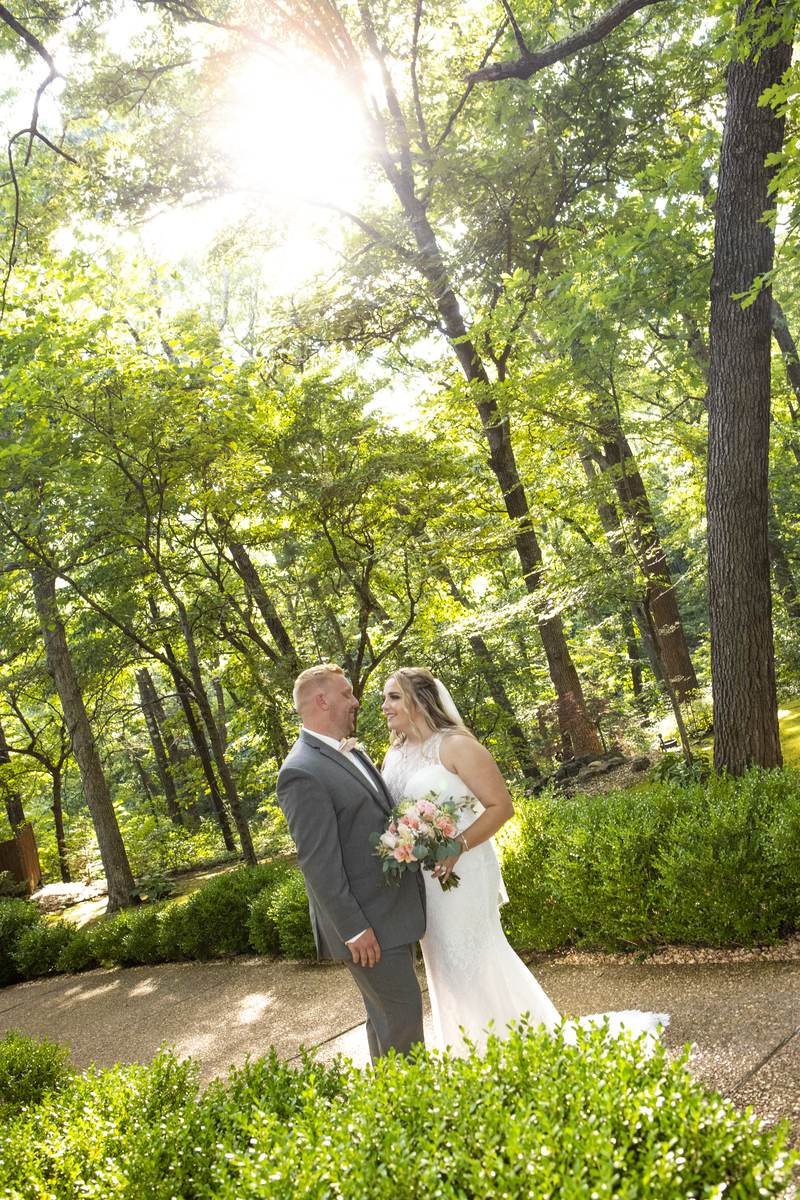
pixel 477 983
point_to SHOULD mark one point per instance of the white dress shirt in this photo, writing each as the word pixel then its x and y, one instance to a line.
pixel 354 759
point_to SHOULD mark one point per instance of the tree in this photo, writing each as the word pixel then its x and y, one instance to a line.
pixel 739 395
pixel 84 747
pixel 738 398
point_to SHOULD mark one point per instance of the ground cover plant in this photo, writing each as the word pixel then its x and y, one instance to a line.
pixel 533 1118
pixel 715 863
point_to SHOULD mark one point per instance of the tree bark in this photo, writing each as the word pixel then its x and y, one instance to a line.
pixel 13 800
pixel 499 694
pixel 737 499
pixel 632 647
pixel 58 817
pixel 225 774
pixel 201 749
pixel 146 692
pixel 612 527
pixel 533 61
pixel 175 754
pixel 95 788
pixel 618 461
pixel 787 347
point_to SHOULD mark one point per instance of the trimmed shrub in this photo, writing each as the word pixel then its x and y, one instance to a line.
pixel 289 910
pixel 214 920
pixel 262 926
pixel 79 954
pixel 15 917
pixel 532 1118
pixel 30 1070
pixel 715 863
pixel 39 947
pixel 142 942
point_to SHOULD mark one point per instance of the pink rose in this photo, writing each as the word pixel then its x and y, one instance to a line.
pixel 427 809
pixel 392 827
pixel 447 826
pixel 404 854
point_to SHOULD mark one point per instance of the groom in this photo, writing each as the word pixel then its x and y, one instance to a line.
pixel 333 798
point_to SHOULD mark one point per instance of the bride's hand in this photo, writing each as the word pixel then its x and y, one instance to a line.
pixel 444 869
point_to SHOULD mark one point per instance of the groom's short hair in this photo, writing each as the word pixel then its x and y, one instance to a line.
pixel 313 680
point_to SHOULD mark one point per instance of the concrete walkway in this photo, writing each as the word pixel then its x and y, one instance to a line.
pixel 742 1018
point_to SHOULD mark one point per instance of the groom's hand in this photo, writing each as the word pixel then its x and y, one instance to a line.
pixel 365 949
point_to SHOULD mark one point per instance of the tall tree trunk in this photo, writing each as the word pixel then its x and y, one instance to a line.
pixel 201 748
pixel 222 720
pixel 737 499
pixel 632 647
pixel 618 461
pixel 612 527
pixel 430 264
pixel 491 674
pixel 58 817
pixel 176 755
pixel 13 800
pixel 146 690
pixel 201 700
pixel 146 781
pixel 497 691
pixel 95 788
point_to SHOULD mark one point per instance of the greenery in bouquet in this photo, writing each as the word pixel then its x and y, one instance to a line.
pixel 419 833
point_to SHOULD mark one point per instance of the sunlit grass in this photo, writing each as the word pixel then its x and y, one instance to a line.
pixel 789 721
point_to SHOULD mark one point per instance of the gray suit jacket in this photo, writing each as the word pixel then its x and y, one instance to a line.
pixel 331 811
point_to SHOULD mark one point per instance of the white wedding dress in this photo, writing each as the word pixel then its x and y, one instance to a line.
pixel 476 981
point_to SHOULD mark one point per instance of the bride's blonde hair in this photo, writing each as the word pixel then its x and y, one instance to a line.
pixel 418 689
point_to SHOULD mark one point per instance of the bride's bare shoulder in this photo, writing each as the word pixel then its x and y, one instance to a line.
pixel 459 747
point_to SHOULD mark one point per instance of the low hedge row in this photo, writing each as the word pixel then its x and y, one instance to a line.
pixel 533 1118
pixel 261 908
pixel 715 863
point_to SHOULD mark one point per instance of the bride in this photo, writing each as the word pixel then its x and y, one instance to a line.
pixel 475 978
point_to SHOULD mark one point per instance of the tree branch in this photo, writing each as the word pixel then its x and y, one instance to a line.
pixel 531 62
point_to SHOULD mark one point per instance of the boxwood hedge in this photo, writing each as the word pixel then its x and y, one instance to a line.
pixel 533 1118
pixel 231 914
pixel 716 863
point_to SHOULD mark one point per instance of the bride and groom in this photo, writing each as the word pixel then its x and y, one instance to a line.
pixel 334 797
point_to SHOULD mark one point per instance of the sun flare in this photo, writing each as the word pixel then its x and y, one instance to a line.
pixel 294 133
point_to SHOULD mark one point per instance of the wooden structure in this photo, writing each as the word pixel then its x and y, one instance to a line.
pixel 20 857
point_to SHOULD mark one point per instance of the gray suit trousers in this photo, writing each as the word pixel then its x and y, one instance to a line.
pixel 393 1001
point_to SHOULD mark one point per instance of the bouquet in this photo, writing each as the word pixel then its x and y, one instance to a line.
pixel 419 833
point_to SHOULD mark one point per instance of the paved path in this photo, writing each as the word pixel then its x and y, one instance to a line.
pixel 742 1018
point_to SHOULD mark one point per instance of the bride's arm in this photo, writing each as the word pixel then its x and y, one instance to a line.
pixel 475 766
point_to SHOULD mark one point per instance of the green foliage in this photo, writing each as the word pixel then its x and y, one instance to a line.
pixel 79 954
pixel 10 887
pixel 154 887
pixel 30 1070
pixel 16 916
pixel 214 920
pixel 674 768
pixel 39 947
pixel 534 1117
pixel 262 926
pixel 716 864
pixel 289 910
